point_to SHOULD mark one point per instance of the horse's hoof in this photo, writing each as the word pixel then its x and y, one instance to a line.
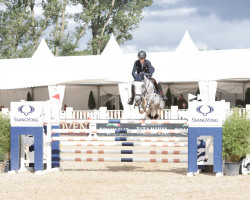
pixel 150 116
pixel 156 116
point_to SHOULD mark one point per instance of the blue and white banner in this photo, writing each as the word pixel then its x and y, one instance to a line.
pixel 27 113
pixel 206 113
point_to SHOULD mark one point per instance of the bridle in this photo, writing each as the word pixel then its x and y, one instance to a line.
pixel 145 86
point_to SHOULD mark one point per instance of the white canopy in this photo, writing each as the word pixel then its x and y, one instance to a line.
pixel 186 64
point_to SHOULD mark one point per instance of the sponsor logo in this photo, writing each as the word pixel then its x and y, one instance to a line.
pixel 205 110
pixel 26 109
pixel 113 125
pixel 205 120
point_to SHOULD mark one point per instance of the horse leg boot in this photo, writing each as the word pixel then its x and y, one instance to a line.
pixel 131 100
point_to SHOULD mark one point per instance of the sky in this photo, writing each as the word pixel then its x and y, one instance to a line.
pixel 212 24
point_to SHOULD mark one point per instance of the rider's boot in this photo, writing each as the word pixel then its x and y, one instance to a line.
pixel 163 96
pixel 131 100
pixel 160 90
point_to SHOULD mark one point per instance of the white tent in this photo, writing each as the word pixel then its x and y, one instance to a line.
pixel 180 70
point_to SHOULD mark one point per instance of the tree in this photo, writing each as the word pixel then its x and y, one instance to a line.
pixel 108 105
pixel 247 96
pixel 40 24
pixel 175 101
pixel 21 28
pixel 103 18
pixel 29 97
pixel 14 28
pixel 169 100
pixel 91 102
pixel 60 40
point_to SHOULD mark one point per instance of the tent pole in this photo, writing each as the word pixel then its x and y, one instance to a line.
pixel 244 89
pixel 98 96
pixel 32 94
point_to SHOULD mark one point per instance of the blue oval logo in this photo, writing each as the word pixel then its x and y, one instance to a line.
pixel 205 110
pixel 26 109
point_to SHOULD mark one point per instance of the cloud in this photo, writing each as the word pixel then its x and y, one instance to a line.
pixel 170 13
pixel 208 23
pixel 227 10
pixel 129 48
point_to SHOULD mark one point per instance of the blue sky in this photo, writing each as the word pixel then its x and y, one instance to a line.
pixel 212 24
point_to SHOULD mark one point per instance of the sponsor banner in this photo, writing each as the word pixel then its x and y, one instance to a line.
pixel 206 114
pixel 27 113
pixel 118 126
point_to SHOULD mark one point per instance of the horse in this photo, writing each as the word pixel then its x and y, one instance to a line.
pixel 147 100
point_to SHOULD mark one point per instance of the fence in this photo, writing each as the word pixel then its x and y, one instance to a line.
pixel 117 114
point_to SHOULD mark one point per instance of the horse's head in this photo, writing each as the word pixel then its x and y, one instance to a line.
pixel 138 86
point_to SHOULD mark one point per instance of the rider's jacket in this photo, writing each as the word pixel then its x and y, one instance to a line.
pixel 138 68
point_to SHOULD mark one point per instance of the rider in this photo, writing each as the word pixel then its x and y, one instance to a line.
pixel 143 65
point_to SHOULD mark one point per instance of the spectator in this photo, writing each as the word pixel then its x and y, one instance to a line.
pixel 184 105
pixel 182 101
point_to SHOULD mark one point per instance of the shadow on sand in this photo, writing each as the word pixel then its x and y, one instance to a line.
pixel 127 168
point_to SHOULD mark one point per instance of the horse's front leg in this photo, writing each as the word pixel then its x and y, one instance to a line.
pixel 144 103
pixel 140 107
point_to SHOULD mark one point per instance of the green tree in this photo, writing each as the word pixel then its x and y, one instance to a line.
pixel 21 29
pixel 40 24
pixel 103 18
pixel 169 100
pixel 175 101
pixel 14 27
pixel 29 97
pixel 4 137
pixel 247 96
pixel 91 102
pixel 108 105
pixel 60 39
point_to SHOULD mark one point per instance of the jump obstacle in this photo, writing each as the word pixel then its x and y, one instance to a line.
pixel 55 142
pixel 205 118
pixel 100 141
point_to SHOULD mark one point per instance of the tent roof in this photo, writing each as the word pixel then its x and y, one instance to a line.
pixel 186 44
pixel 112 48
pixel 43 50
pixel 186 64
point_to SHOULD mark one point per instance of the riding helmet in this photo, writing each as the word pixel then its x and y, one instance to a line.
pixel 142 54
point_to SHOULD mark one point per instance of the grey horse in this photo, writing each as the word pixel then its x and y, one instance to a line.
pixel 146 99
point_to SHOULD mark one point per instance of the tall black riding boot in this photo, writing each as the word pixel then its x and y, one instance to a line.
pixel 161 92
pixel 131 100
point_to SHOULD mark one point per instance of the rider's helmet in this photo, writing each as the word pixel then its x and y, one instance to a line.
pixel 142 54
